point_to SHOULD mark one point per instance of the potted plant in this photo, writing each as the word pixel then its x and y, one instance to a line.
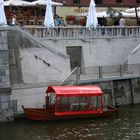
pixel 70 19
pixel 82 21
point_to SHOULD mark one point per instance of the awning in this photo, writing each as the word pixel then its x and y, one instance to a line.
pixel 75 90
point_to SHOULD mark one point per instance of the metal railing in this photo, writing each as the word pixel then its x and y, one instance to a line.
pixel 69 78
pixel 102 72
pixel 76 32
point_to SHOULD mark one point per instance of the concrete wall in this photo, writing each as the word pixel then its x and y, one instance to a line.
pixel 99 51
pixel 29 96
pixel 134 57
pixel 120 92
pixel 40 66
pixel 37 65
pixel 14 59
pixel 32 63
pixel 32 67
pixel 6 106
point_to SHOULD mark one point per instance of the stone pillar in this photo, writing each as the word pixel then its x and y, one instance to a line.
pixel 6 107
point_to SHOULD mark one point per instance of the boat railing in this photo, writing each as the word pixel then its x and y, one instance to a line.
pixel 78 32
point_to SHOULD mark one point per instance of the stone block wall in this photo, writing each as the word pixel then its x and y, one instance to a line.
pixel 6 106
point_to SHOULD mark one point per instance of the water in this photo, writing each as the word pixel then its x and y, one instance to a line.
pixel 125 126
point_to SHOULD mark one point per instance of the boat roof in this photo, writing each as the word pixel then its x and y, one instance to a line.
pixel 75 90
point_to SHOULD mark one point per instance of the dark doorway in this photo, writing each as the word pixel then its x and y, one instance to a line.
pixel 75 56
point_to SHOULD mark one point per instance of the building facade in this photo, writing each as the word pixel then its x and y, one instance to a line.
pixel 102 3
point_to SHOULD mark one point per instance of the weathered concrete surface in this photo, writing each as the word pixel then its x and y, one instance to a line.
pixel 6 106
pixel 32 63
pixel 29 96
pixel 125 92
pixel 120 92
pixel 99 52
pixel 33 66
pixel 134 57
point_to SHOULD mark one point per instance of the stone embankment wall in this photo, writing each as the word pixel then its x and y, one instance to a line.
pixel 100 52
pixel 33 67
pixel 6 105
pixel 31 64
pixel 119 91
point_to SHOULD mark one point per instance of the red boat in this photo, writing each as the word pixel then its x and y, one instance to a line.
pixel 67 102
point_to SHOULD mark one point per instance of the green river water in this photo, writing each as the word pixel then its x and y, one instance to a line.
pixel 125 126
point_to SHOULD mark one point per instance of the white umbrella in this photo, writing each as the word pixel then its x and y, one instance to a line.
pixel 39 2
pixel 49 21
pixel 43 2
pixel 132 10
pixel 17 3
pixel 92 16
pixel 2 14
pixel 131 15
pixel 102 14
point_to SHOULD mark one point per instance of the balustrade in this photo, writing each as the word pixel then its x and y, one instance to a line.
pixel 76 32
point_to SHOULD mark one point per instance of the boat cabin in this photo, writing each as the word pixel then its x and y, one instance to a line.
pixel 74 100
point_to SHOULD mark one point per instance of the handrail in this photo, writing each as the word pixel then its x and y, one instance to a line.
pixel 103 72
pixel 68 76
pixel 37 41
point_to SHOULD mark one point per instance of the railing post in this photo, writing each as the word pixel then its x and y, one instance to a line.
pixel 78 74
pixel 100 72
pixel 132 91
pixel 113 94
pixel 121 70
pixel 35 33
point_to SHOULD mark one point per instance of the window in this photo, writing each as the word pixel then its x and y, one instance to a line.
pixel 119 1
pixel 98 1
pixel 76 1
pixel 137 1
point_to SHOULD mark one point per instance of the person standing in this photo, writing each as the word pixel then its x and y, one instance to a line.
pixel 62 23
pixel 57 20
pixel 14 21
pixel 122 22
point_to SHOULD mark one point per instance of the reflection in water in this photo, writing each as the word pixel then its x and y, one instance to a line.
pixel 125 126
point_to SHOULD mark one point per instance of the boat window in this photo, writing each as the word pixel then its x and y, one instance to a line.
pixel 62 104
pixel 94 102
pixel 51 96
pixel 78 103
pixel 104 99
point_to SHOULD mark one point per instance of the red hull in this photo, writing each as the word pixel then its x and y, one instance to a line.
pixel 45 115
